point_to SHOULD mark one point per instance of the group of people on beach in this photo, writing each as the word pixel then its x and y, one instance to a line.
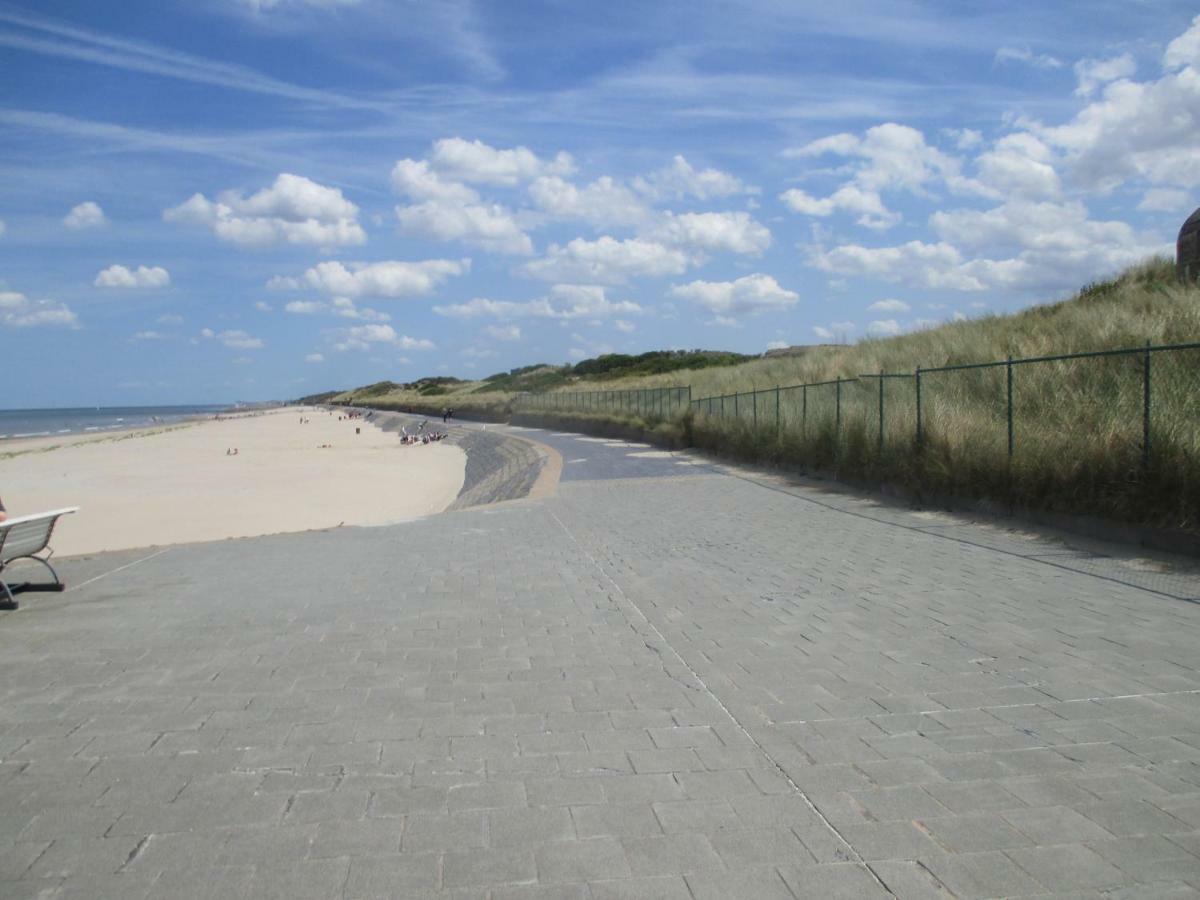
pixel 422 436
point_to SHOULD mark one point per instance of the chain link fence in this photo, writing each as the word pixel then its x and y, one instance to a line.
pixel 663 403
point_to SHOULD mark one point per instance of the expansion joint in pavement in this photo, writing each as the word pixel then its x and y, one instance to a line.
pixel 629 605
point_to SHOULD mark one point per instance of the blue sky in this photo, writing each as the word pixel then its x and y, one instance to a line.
pixel 257 199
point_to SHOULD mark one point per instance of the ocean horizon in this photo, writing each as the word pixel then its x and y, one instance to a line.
pixel 48 422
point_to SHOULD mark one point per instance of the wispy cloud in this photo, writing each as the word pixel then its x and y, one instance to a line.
pixel 36 34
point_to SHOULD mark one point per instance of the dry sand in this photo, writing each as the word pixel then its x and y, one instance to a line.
pixel 155 487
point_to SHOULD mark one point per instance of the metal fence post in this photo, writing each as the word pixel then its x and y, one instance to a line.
pixel 1010 407
pixel 804 414
pixel 736 414
pixel 755 396
pixel 881 411
pixel 777 410
pixel 837 413
pixel 919 435
pixel 1146 408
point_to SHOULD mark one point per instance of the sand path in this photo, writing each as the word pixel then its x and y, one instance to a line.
pixel 179 486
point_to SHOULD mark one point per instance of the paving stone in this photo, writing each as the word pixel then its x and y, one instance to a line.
pixel 615 820
pixel 487 867
pixel 663 887
pixel 752 884
pixel 399 874
pixel 529 826
pixel 444 831
pixel 585 860
pixel 677 854
pixel 843 881
pixel 1067 867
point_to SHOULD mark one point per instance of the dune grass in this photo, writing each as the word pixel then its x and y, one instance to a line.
pixel 1077 423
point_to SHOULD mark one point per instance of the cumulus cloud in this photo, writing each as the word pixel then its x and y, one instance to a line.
pixel 1094 73
pixel 169 319
pixel 234 339
pixel 883 328
pixel 564 301
pixel 1133 129
pixel 293 210
pixel 475 161
pixel 602 203
pixel 889 305
pixel 416 179
pixel 735 232
pixel 361 337
pixel 1019 164
pixel 339 306
pixel 624 326
pixel 1027 56
pixel 491 227
pixel 1164 200
pixel 748 295
pixel 503 332
pixel 777 345
pixel 86 215
pixel 680 180
pixel 607 261
pixel 380 279
pixel 149 336
pixel 18 311
pixel 117 276
pixel 315 358
pixel 849 198
pixel 887 157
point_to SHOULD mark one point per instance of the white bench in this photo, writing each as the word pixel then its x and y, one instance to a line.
pixel 23 537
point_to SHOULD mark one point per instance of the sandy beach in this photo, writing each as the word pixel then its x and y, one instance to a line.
pixel 178 485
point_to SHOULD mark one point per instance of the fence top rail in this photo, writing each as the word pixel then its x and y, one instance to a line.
pixel 890 375
pixel 1124 351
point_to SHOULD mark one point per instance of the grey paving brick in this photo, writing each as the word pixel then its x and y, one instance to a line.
pixel 1068 867
pixel 393 875
pixel 444 831
pixel 752 884
pixel 527 827
pixel 662 887
pixel 488 867
pixel 677 854
pixel 972 834
pixel 615 820
pixel 586 860
pixel 844 881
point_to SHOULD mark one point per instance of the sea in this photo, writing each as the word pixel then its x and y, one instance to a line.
pixel 26 423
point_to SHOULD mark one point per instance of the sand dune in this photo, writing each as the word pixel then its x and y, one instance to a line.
pixel 178 485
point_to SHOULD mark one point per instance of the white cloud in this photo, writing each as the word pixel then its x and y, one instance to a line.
pixel 340 306
pixel 1165 200
pixel 235 339
pixel 565 301
pixel 777 345
pixel 735 232
pixel 475 161
pixel 680 180
pixel 380 279
pixel 503 332
pixel 823 333
pixel 602 203
pixel 265 5
pixel 86 215
pixel 889 305
pixel 624 326
pixel 938 265
pixel 293 210
pixel 491 227
pixel 263 306
pixel 117 276
pixel 149 336
pixel 169 319
pixel 315 358
pixel 1144 130
pixel 1094 73
pixel 1185 49
pixel 1019 164
pixel 607 261
pixel 305 307
pixel 360 337
pixel 1025 55
pixel 748 295
pixel 850 198
pixel 18 311
pixel 415 179
pixel 883 328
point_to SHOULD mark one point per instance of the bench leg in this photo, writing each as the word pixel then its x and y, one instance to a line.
pixel 7 600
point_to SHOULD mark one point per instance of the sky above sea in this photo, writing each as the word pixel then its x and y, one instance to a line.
pixel 257 199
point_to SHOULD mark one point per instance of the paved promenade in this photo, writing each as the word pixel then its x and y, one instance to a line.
pixel 664 680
